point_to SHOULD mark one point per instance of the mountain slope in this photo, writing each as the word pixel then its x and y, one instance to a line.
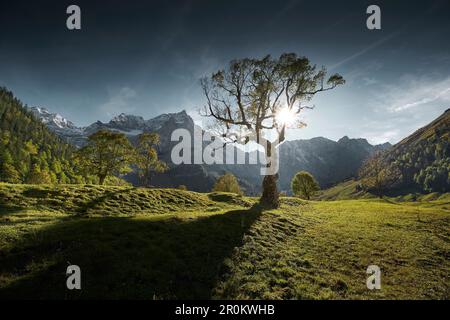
pixel 422 160
pixel 29 151
pixel 328 161
pixel 424 157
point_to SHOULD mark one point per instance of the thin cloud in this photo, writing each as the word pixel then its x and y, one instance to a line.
pixel 366 49
pixel 119 102
pixel 418 93
pixel 398 110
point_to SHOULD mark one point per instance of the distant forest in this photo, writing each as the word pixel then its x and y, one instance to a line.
pixel 29 152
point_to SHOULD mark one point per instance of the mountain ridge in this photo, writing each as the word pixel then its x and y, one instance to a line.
pixel 126 121
pixel 328 160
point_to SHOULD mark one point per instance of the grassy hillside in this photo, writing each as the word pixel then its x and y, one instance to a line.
pixel 90 200
pixel 165 243
pixel 343 191
pixel 349 190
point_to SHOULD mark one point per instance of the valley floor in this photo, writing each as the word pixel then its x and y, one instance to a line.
pixel 171 244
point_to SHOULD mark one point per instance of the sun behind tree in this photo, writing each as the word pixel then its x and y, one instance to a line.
pixel 253 97
pixel 304 185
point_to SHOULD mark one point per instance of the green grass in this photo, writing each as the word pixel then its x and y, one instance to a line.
pixel 348 190
pixel 169 244
pixel 342 191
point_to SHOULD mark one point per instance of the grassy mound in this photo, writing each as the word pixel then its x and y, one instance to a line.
pixel 230 198
pixel 169 244
pixel 101 200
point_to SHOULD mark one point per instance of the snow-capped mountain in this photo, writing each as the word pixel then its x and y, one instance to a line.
pixel 130 125
pixel 51 119
pixel 60 125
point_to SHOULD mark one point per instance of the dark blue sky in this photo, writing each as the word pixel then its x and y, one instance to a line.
pixel 146 57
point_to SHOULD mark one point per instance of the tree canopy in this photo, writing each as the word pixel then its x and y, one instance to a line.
pixel 147 157
pixel 227 183
pixel 304 185
pixel 377 175
pixel 107 153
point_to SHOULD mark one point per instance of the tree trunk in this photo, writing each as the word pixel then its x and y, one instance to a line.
pixel 101 179
pixel 270 195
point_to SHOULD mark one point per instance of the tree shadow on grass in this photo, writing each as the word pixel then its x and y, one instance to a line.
pixel 141 258
pixel 6 210
pixel 92 205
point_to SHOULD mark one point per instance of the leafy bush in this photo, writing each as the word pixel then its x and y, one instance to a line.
pixel 227 183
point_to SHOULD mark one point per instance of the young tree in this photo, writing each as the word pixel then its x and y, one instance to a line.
pixel 38 176
pixel 303 184
pixel 147 157
pixel 8 173
pixel 107 153
pixel 227 183
pixel 253 97
pixel 376 175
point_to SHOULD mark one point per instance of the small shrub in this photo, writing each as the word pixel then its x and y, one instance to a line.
pixel 227 183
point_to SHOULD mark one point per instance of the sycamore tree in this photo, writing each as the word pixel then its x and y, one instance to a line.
pixel 304 185
pixel 146 159
pixel 377 175
pixel 258 99
pixel 107 153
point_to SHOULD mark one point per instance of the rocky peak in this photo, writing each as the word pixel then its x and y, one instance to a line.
pixel 179 119
pixel 128 121
pixel 51 119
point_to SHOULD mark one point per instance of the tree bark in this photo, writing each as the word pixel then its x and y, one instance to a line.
pixel 270 196
pixel 101 179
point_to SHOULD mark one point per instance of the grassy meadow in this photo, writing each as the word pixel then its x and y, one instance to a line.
pixel 137 243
